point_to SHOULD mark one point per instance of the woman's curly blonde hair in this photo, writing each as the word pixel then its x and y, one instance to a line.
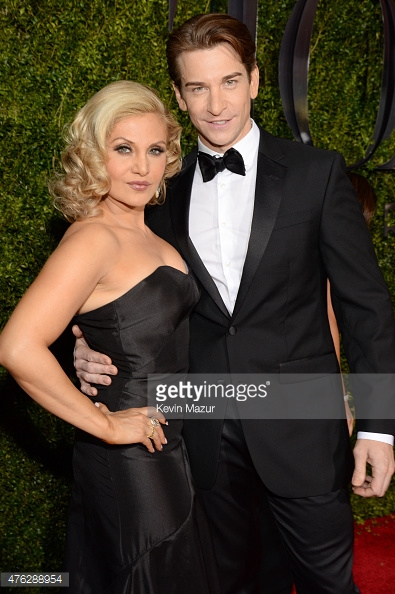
pixel 79 190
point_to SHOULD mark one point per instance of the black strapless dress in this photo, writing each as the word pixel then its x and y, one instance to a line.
pixel 134 525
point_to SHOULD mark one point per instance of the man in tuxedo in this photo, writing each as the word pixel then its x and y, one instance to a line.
pixel 262 234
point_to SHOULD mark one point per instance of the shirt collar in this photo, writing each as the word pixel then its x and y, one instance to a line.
pixel 247 146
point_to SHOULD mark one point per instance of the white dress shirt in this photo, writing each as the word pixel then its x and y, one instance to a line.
pixel 220 219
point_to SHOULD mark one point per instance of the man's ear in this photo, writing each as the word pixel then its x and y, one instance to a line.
pixel 254 83
pixel 181 103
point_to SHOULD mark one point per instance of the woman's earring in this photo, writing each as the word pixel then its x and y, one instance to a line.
pixel 157 193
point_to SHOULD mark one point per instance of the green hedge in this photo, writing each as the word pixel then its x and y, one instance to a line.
pixel 54 54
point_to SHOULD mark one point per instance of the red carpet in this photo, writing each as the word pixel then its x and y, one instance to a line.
pixel 374 561
pixel 374 565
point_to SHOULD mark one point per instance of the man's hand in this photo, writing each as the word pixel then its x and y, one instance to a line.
pixel 91 367
pixel 381 458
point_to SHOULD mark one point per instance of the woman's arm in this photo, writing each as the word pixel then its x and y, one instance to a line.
pixel 65 283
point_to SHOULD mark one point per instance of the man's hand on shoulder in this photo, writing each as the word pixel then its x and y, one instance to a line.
pixel 380 456
pixel 91 367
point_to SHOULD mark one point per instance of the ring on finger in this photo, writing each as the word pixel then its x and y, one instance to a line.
pixel 154 422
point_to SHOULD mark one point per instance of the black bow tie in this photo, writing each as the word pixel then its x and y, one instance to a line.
pixel 210 165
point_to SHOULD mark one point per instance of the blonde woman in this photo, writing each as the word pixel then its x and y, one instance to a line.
pixel 133 525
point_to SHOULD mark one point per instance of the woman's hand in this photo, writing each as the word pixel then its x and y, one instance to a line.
pixel 136 425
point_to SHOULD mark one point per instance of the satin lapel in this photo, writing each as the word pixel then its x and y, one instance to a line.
pixel 179 211
pixel 268 193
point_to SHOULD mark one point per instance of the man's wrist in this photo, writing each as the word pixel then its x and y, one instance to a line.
pixel 383 437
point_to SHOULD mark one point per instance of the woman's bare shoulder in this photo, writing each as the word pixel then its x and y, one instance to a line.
pixel 92 233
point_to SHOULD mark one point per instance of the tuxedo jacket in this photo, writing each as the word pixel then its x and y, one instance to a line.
pixel 307 227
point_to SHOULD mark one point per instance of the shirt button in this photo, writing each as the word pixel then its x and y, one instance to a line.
pixel 232 330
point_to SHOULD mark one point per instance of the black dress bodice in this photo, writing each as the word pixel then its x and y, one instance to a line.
pixel 145 331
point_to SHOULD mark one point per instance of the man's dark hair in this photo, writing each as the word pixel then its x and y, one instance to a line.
pixel 205 31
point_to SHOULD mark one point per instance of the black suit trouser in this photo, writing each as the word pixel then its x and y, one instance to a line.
pixel 263 542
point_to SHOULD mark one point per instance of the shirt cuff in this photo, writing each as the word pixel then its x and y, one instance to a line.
pixel 384 437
